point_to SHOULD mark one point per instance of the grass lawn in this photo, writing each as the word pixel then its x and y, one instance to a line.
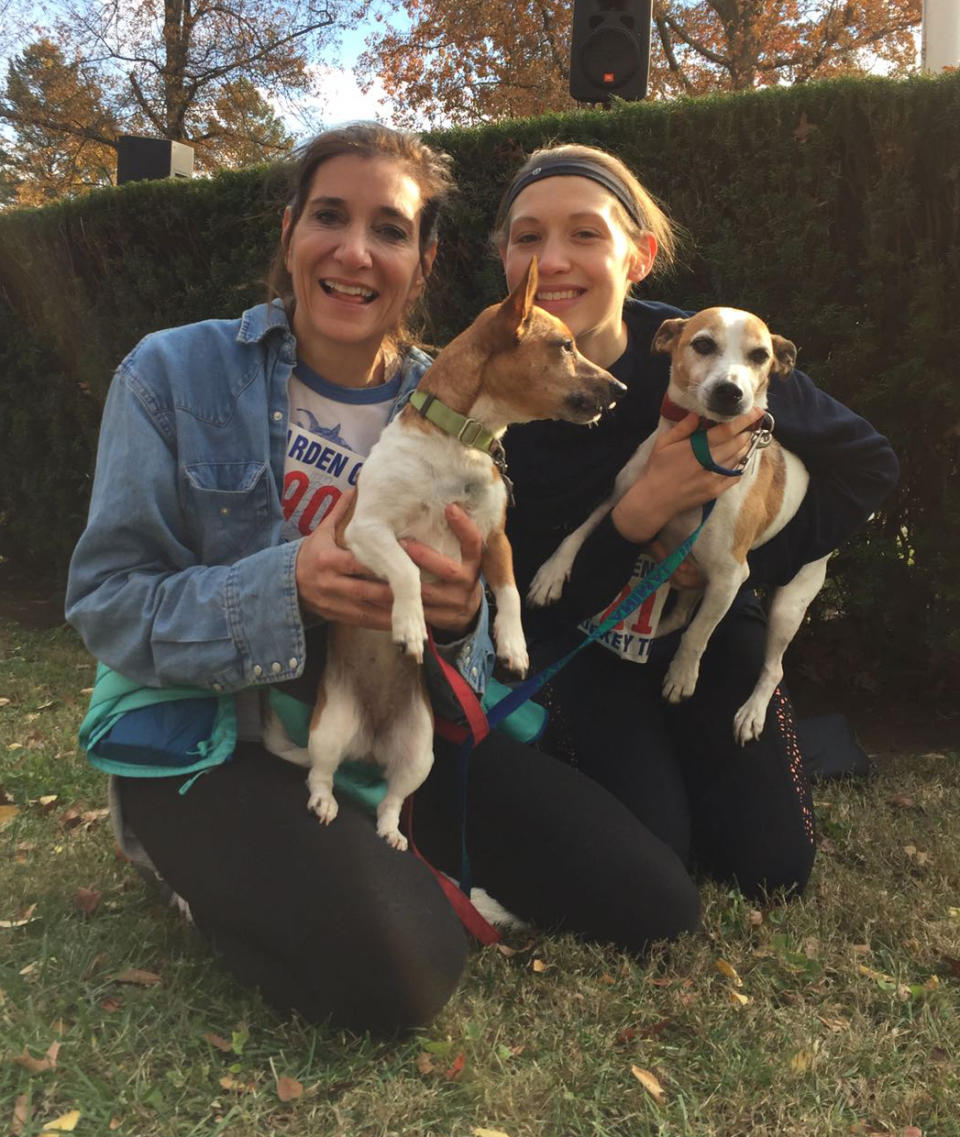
pixel 834 1014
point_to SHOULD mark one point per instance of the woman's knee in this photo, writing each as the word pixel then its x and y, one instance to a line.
pixel 387 975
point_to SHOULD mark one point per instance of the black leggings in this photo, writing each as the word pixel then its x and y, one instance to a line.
pixel 739 814
pixel 332 922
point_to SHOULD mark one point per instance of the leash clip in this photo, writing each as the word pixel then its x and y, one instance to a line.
pixel 499 456
pixel 762 437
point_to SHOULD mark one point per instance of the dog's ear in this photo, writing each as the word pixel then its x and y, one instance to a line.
pixel 667 335
pixel 515 311
pixel 784 356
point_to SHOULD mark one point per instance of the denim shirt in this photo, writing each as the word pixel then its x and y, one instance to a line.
pixel 181 575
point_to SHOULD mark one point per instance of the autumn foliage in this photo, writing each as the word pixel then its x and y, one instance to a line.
pixel 468 61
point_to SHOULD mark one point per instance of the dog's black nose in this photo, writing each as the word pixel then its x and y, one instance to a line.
pixel 725 397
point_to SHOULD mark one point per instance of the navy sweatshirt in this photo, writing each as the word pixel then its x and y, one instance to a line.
pixel 562 471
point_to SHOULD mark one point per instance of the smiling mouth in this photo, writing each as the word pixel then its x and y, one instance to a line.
pixel 549 294
pixel 338 288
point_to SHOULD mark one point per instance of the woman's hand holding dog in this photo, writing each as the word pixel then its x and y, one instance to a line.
pixel 332 583
pixel 673 479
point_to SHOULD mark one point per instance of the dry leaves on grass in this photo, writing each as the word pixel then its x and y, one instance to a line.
pixel 228 1082
pixel 66 1123
pixel 86 899
pixel 650 1083
pixel 288 1089
pixel 26 916
pixel 39 1065
pixel 7 814
pixel 136 976
pixel 479 1131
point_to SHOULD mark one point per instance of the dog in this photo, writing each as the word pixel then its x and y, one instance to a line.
pixel 515 363
pixel 722 360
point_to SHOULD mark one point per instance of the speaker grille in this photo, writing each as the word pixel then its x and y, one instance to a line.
pixel 610 57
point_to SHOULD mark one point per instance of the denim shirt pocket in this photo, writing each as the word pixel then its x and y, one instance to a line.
pixel 227 505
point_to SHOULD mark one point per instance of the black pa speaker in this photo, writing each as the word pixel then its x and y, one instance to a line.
pixel 610 49
pixel 139 159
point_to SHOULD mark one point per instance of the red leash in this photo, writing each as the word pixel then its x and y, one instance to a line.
pixel 472 734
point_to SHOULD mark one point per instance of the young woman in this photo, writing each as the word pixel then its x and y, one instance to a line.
pixel 740 814
pixel 227 450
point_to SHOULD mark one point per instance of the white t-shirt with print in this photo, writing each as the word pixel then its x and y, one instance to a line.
pixel 330 431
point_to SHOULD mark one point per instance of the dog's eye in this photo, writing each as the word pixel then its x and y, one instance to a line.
pixel 759 355
pixel 703 346
pixel 566 345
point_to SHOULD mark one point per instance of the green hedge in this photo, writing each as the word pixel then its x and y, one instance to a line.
pixel 831 209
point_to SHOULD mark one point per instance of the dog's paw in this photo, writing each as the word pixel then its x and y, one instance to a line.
pixel 322 802
pixel 680 681
pixel 547 586
pixel 511 649
pixel 409 630
pixel 393 837
pixel 749 721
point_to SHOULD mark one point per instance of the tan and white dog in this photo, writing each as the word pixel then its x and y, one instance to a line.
pixel 721 363
pixel 515 363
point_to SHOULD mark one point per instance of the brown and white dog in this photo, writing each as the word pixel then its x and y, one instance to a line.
pixel 515 363
pixel 721 363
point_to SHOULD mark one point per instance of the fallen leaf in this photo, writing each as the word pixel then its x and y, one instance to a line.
pixel 47 705
pixel 506 951
pixel 86 899
pixel 737 998
pixel 4 701
pixel 218 1042
pixel 836 1024
pixel 662 982
pixel 539 966
pixel 27 918
pixel 288 1089
pixel 649 1083
pixel 64 1124
pixel 481 1132
pixel 902 801
pixel 14 745
pixel 911 1131
pixel 115 1123
pixel 457 1068
pixel 230 1083
pixel 730 972
pixel 801 1061
pixel 755 917
pixel 136 976
pixel 425 1063
pixel 21 1115
pixel 7 814
pixel 59 1026
pixel 111 1003
pixel 628 1034
pixel 39 1065
pixel 86 690
pixel 29 969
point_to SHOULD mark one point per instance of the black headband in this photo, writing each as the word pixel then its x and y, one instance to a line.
pixel 576 168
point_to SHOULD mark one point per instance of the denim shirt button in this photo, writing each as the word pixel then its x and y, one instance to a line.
pixel 257 670
pixel 218 686
pixel 224 510
pixel 292 662
pixel 277 416
pixel 275 668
